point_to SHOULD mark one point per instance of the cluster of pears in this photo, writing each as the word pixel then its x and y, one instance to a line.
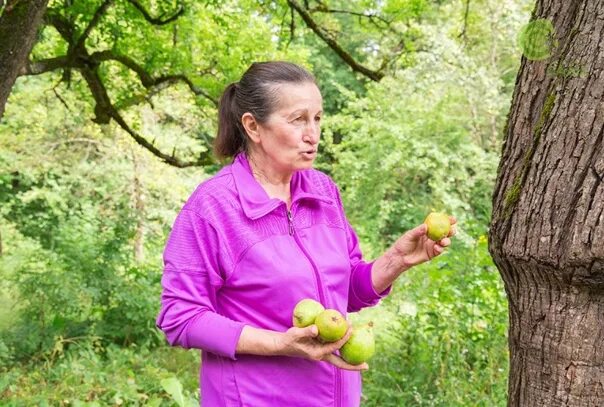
pixel 332 326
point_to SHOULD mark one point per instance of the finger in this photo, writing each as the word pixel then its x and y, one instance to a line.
pixel 438 249
pixel 342 364
pixel 453 231
pixel 310 331
pixel 338 344
pixel 452 220
pixel 445 242
pixel 419 230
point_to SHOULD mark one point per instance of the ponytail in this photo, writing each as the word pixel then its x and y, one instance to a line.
pixel 231 138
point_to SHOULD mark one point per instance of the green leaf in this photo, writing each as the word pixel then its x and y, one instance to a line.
pixel 173 387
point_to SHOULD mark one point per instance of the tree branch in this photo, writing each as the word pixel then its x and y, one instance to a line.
pixel 78 58
pixel 292 26
pixel 46 65
pixel 396 53
pixel 54 89
pixel 157 21
pixel 170 79
pixel 61 24
pixel 371 17
pixel 93 22
pixel 105 111
pixel 146 79
pixel 465 21
pixel 101 56
pixel 346 57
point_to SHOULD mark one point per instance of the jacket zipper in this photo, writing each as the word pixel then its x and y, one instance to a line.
pixel 290 222
pixel 338 387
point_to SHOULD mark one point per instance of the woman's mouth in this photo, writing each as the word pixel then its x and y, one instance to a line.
pixel 310 154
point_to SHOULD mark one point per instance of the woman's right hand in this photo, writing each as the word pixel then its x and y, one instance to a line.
pixel 304 342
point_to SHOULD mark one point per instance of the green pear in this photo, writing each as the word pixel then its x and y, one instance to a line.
pixel 360 347
pixel 305 312
pixel 439 226
pixel 332 325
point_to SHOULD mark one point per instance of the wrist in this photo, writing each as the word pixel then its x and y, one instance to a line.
pixel 256 341
pixel 397 259
pixel 386 269
pixel 277 342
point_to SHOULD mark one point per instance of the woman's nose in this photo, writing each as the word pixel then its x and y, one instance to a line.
pixel 312 133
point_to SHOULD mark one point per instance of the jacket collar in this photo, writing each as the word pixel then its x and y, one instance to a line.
pixel 254 199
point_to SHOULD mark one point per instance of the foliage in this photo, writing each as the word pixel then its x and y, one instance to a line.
pixel 114 375
pixel 70 222
pixel 433 146
pixel 441 335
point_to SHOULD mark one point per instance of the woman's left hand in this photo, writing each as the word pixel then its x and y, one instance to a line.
pixel 416 248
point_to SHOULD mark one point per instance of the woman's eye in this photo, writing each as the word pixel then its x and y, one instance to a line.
pixel 298 119
pixel 318 118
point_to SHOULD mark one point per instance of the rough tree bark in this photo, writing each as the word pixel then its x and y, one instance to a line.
pixel 547 229
pixel 18 27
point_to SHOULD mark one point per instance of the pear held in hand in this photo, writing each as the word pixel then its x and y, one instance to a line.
pixel 305 312
pixel 332 325
pixel 360 347
pixel 438 224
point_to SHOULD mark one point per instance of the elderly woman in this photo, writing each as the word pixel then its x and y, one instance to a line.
pixel 265 232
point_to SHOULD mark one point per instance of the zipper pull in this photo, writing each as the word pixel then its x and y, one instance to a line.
pixel 290 221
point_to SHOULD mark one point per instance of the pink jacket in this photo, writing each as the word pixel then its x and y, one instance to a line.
pixel 236 257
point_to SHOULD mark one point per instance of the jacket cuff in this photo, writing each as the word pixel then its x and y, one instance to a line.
pixel 214 333
pixel 362 287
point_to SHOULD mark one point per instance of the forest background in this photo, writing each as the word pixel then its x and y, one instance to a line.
pixel 85 210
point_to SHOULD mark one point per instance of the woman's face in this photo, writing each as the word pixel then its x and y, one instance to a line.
pixel 289 139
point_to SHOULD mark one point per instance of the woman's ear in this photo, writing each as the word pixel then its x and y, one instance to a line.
pixel 251 126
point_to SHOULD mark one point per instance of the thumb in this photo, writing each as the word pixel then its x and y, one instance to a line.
pixel 419 230
pixel 311 331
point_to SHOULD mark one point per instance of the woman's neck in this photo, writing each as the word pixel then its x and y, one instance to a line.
pixel 268 176
pixel 276 185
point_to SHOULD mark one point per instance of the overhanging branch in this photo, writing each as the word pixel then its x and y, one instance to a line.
pixel 46 65
pixel 146 79
pixel 182 78
pixel 158 20
pixel 93 22
pixel 465 21
pixel 292 25
pixel 371 16
pixel 61 24
pixel 333 44
pixel 78 58
pixel 105 111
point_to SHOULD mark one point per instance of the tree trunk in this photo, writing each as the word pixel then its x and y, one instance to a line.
pixel 18 27
pixel 547 229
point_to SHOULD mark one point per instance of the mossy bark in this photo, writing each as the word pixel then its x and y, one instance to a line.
pixel 18 27
pixel 547 229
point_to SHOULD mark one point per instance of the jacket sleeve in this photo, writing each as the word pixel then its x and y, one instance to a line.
pixel 361 293
pixel 194 264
